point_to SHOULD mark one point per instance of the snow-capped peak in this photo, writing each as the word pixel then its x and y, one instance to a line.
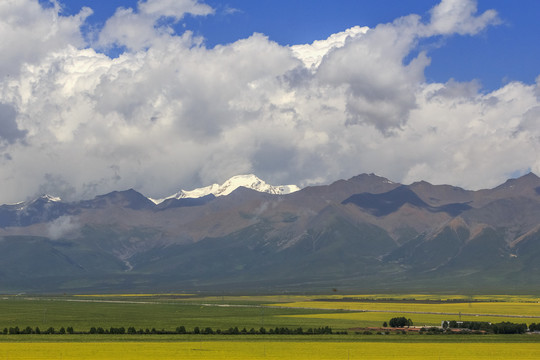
pixel 51 198
pixel 46 198
pixel 249 181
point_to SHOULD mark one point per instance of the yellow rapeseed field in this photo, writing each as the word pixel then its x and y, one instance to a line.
pixel 241 350
pixel 503 308
pixel 377 318
pixel 443 297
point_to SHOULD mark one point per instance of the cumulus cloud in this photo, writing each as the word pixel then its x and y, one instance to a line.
pixel 312 54
pixel 30 31
pixel 149 23
pixel 170 113
pixel 378 87
pixel 458 16
pixel 9 131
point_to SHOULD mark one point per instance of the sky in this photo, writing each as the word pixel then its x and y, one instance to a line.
pixel 163 95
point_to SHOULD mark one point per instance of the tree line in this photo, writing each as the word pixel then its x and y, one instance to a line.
pixel 504 327
pixel 179 330
pixel 495 328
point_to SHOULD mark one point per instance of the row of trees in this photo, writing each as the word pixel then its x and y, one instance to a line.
pixel 28 330
pixel 498 328
pixel 470 325
pixel 179 330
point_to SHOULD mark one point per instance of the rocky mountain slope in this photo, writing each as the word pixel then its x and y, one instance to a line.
pixel 362 234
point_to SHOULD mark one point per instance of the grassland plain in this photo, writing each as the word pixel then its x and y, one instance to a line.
pixel 162 313
pixel 83 316
pixel 222 312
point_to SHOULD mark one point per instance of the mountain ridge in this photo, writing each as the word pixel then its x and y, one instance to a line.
pixel 365 232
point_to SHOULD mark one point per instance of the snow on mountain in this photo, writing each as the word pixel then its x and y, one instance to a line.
pixel 48 197
pixel 43 198
pixel 312 54
pixel 249 181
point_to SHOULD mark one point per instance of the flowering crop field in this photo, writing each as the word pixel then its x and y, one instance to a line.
pixel 374 312
pixel 240 350
pixel 375 319
pixel 515 309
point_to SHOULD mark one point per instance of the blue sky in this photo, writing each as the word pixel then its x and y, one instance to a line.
pixel 502 53
pixel 163 95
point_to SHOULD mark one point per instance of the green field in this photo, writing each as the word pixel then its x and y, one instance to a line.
pixel 161 313
pixel 146 311
pixel 170 311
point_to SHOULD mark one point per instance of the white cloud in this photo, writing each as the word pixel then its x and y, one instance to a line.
pixel 379 88
pixel 173 8
pixel 458 17
pixel 29 31
pixel 139 28
pixel 62 227
pixel 463 138
pixel 173 114
pixel 312 54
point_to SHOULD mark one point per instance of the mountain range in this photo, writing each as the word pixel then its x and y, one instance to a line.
pixel 363 234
